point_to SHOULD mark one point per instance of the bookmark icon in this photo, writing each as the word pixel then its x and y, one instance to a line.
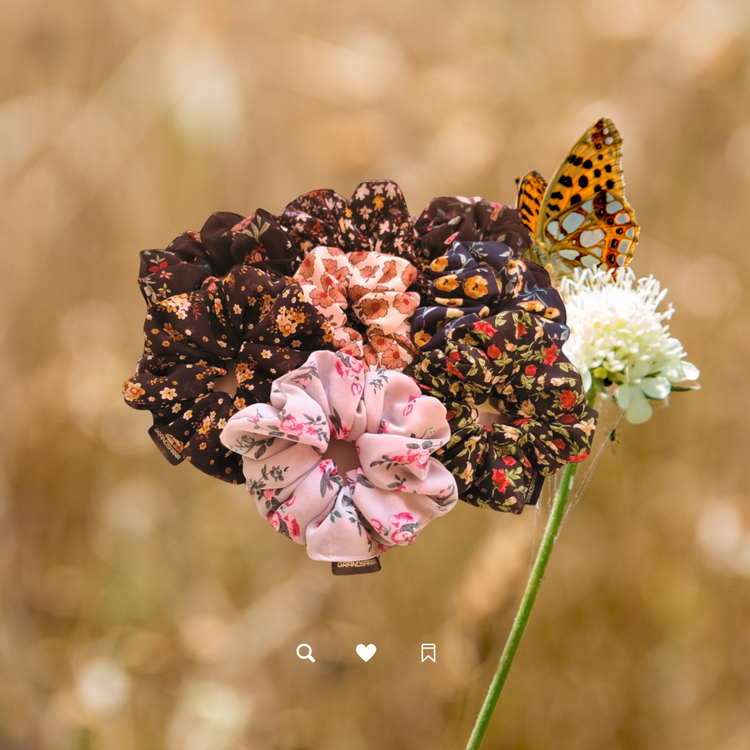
pixel 428 652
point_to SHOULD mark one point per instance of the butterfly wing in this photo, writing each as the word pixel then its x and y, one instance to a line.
pixel 584 219
pixel 529 202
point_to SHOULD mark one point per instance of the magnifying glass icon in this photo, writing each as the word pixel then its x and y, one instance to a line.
pixel 303 655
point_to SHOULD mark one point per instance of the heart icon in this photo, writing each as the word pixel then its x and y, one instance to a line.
pixel 366 652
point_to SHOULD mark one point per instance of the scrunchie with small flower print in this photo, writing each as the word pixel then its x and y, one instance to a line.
pixel 372 288
pixel 208 313
pixel 398 488
pixel 480 278
pixel 453 219
pixel 226 240
pixel 375 218
pixel 544 420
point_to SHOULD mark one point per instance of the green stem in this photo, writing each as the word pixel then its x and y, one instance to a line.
pixel 527 603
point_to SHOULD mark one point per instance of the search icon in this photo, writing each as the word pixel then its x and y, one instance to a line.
pixel 308 655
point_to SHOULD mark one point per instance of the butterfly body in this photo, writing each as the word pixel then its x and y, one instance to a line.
pixel 581 219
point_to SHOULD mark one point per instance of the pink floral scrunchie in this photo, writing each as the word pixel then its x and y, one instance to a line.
pixel 385 502
pixel 372 287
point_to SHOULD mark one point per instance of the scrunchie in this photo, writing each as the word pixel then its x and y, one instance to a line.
pixel 385 502
pixel 198 325
pixel 480 278
pixel 376 218
pixel 372 287
pixel 544 420
pixel 225 240
pixel 456 219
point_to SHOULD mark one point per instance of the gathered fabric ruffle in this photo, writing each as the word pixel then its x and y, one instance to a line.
pixel 399 486
pixel 194 259
pixel 367 291
pixel 375 218
pixel 515 360
pixel 448 296
pixel 452 219
pixel 208 315
pixel 482 279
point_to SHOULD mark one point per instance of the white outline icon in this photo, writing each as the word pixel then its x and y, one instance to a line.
pixel 426 648
pixel 309 652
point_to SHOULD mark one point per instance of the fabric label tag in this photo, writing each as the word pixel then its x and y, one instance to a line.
pixel 535 488
pixel 162 443
pixel 356 567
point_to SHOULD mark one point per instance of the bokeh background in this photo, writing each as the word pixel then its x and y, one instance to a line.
pixel 146 606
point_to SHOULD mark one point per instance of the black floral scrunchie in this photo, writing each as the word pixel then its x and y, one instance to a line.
pixel 544 419
pixel 216 299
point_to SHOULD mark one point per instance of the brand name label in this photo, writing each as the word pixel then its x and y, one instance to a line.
pixel 162 443
pixel 356 567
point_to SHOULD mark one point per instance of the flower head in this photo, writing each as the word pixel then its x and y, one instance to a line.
pixel 618 335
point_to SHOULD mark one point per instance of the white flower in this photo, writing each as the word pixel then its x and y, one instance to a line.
pixel 618 334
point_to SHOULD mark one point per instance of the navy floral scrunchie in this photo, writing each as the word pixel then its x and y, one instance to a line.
pixel 478 278
pixel 452 219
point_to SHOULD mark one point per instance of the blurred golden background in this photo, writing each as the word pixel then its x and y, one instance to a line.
pixel 144 606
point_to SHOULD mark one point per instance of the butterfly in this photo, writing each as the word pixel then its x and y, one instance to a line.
pixel 581 218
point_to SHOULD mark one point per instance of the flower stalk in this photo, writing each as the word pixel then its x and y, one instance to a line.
pixel 551 532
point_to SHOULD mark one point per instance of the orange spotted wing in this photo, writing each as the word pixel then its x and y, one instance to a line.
pixel 582 219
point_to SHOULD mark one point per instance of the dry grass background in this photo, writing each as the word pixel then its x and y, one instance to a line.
pixel 144 606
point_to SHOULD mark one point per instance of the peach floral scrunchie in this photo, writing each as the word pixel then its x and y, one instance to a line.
pixel 387 501
pixel 371 288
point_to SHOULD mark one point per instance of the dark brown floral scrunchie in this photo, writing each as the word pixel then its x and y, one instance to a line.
pixel 544 420
pixel 207 312
pixel 225 241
